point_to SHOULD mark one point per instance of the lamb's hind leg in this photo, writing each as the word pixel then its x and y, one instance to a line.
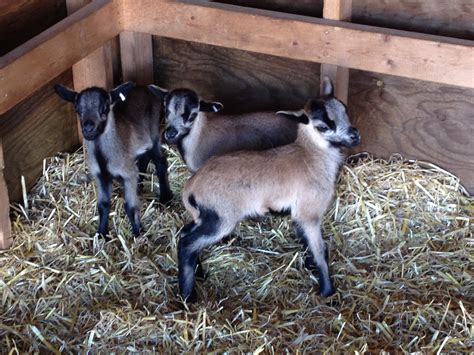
pixel 142 164
pixel 161 165
pixel 132 204
pixel 310 233
pixel 208 231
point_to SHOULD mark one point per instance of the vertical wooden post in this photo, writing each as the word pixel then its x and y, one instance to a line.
pixel 136 53
pixel 95 69
pixel 5 224
pixel 337 10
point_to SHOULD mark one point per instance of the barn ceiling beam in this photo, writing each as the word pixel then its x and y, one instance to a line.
pixel 418 56
pixel 413 55
pixel 33 64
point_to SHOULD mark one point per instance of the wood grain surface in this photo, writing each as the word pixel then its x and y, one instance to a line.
pixel 406 54
pixel 242 81
pixel 452 18
pixel 420 120
pixel 39 127
pixel 21 20
pixel 5 224
pixel 337 10
pixel 84 31
pixel 136 50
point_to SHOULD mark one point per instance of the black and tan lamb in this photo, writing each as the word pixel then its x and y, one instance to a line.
pixel 200 135
pixel 121 136
pixel 299 177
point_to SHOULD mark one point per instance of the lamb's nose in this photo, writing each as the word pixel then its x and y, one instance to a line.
pixel 171 133
pixel 88 127
pixel 354 134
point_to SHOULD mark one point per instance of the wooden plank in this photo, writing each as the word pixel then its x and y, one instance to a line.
pixel 136 53
pixel 39 127
pixel 242 81
pixel 419 120
pixel 394 52
pixel 42 58
pixel 96 68
pixel 337 10
pixel 21 20
pixel 451 18
pixel 5 224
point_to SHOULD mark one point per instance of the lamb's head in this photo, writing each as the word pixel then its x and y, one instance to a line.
pixel 181 107
pixel 328 117
pixel 93 106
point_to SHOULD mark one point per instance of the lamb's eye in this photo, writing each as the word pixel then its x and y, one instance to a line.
pixel 192 116
pixel 322 128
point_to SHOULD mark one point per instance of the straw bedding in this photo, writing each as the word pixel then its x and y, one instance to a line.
pixel 401 253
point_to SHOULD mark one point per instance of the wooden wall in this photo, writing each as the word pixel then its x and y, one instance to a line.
pixel 417 119
pixel 41 125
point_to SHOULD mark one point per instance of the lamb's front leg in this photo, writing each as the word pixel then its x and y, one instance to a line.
pixel 310 233
pixel 132 205
pixel 104 192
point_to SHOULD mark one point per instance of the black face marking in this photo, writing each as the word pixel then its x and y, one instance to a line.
pixel 92 105
pixel 319 112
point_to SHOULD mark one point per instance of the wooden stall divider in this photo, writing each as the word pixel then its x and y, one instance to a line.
pixel 337 10
pixel 136 53
pixel 96 68
pixel 5 225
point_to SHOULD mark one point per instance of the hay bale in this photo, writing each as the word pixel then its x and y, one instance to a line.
pixel 402 250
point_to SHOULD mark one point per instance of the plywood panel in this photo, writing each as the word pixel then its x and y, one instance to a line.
pixel 242 81
pixel 421 56
pixel 453 18
pixel 136 50
pixel 21 20
pixel 39 127
pixel 417 119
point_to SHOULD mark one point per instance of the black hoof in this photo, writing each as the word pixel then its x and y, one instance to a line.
pixel 104 236
pixel 327 290
pixel 200 272
pixel 137 230
pixel 166 199
pixel 191 298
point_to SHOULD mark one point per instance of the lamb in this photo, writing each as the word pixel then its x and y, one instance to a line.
pixel 299 177
pixel 121 136
pixel 200 137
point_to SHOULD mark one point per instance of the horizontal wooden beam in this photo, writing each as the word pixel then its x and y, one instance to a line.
pixel 412 55
pixel 35 63
pixel 418 56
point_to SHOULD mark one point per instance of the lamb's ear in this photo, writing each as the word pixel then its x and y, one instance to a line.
pixel 299 116
pixel 158 92
pixel 205 106
pixel 327 88
pixel 65 93
pixel 120 92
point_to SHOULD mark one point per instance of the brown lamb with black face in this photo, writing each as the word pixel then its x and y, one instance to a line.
pixel 121 136
pixel 299 177
pixel 200 136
